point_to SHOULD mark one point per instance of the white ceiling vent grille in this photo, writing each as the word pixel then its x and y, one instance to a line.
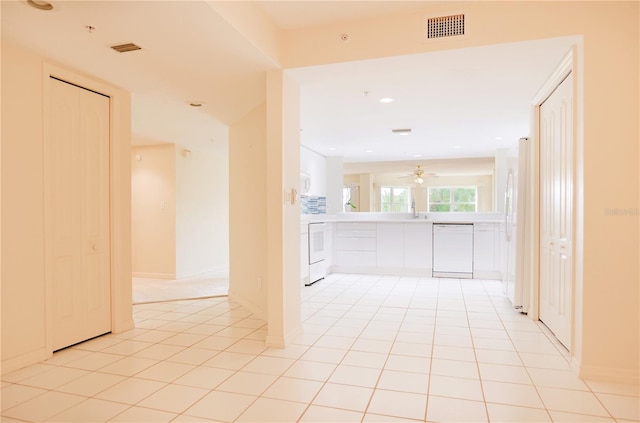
pixel 123 48
pixel 445 26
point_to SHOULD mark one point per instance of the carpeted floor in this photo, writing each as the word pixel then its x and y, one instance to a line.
pixel 150 290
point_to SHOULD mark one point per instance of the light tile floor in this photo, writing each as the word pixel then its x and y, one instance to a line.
pixel 374 349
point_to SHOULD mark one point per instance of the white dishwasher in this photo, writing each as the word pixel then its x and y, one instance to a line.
pixel 453 250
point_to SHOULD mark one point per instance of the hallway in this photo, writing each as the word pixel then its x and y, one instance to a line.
pixel 153 290
pixel 375 349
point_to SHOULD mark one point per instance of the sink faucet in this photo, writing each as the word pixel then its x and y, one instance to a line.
pixel 413 209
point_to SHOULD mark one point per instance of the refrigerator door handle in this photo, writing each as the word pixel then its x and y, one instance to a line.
pixel 508 206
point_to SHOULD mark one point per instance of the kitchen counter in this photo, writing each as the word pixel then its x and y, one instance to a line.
pixel 398 244
pixel 375 217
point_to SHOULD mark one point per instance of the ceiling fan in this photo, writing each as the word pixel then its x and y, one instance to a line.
pixel 417 175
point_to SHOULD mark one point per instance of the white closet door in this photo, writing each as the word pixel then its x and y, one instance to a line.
pixel 556 210
pixel 77 187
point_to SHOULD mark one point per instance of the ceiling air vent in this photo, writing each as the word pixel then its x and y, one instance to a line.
pixel 445 26
pixel 123 48
pixel 403 131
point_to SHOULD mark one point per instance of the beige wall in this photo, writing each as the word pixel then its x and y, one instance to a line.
pixel 264 214
pixel 248 211
pixel 202 211
pixel 607 133
pixel 180 213
pixel 25 323
pixel 153 211
pixel 283 209
pixel 23 295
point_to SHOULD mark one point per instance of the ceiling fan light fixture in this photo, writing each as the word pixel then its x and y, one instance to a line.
pixel 418 180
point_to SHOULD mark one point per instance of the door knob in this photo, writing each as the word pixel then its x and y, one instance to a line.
pixel 94 247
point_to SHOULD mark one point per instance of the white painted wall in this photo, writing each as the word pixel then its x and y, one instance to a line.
pixel 315 165
pixel 23 292
pixel 153 211
pixel 283 212
pixel 248 212
pixel 23 285
pixel 202 211
pixel 607 148
pixel 334 184
pixel 179 211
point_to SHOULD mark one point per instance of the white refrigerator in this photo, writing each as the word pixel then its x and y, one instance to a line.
pixel 515 285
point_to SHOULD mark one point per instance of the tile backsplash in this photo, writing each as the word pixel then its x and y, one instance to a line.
pixel 313 204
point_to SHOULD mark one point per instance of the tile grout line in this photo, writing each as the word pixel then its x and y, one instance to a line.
pixel 475 354
pixel 433 340
pixel 364 414
pixel 328 302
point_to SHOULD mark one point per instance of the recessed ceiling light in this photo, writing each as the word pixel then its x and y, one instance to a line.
pixel 368 151
pixel 498 138
pixel 386 100
pixel 332 149
pixel 457 146
pixel 40 4
pixel 417 155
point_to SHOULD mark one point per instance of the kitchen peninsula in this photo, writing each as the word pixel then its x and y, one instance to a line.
pixel 404 243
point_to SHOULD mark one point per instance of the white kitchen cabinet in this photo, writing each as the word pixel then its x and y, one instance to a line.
pixel 355 246
pixel 406 248
pixel 390 245
pixel 354 260
pixel 355 243
pixel 418 252
pixel 486 250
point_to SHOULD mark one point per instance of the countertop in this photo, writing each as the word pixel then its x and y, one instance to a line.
pixel 373 217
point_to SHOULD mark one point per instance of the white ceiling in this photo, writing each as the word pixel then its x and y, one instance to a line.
pixel 466 98
pixel 189 53
pixel 458 103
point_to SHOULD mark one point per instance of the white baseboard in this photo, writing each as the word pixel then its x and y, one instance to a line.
pixel 272 341
pixel 403 271
pixel 282 341
pixel 372 270
pixel 249 305
pixel 608 374
pixel 487 274
pixel 218 270
pixel 24 360
pixel 153 275
pixel 123 325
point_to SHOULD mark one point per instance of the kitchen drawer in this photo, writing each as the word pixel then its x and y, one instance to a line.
pixel 356 226
pixel 355 244
pixel 484 227
pixel 356 233
pixel 355 258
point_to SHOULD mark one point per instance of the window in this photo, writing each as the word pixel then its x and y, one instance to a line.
pixel 458 199
pixel 394 199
